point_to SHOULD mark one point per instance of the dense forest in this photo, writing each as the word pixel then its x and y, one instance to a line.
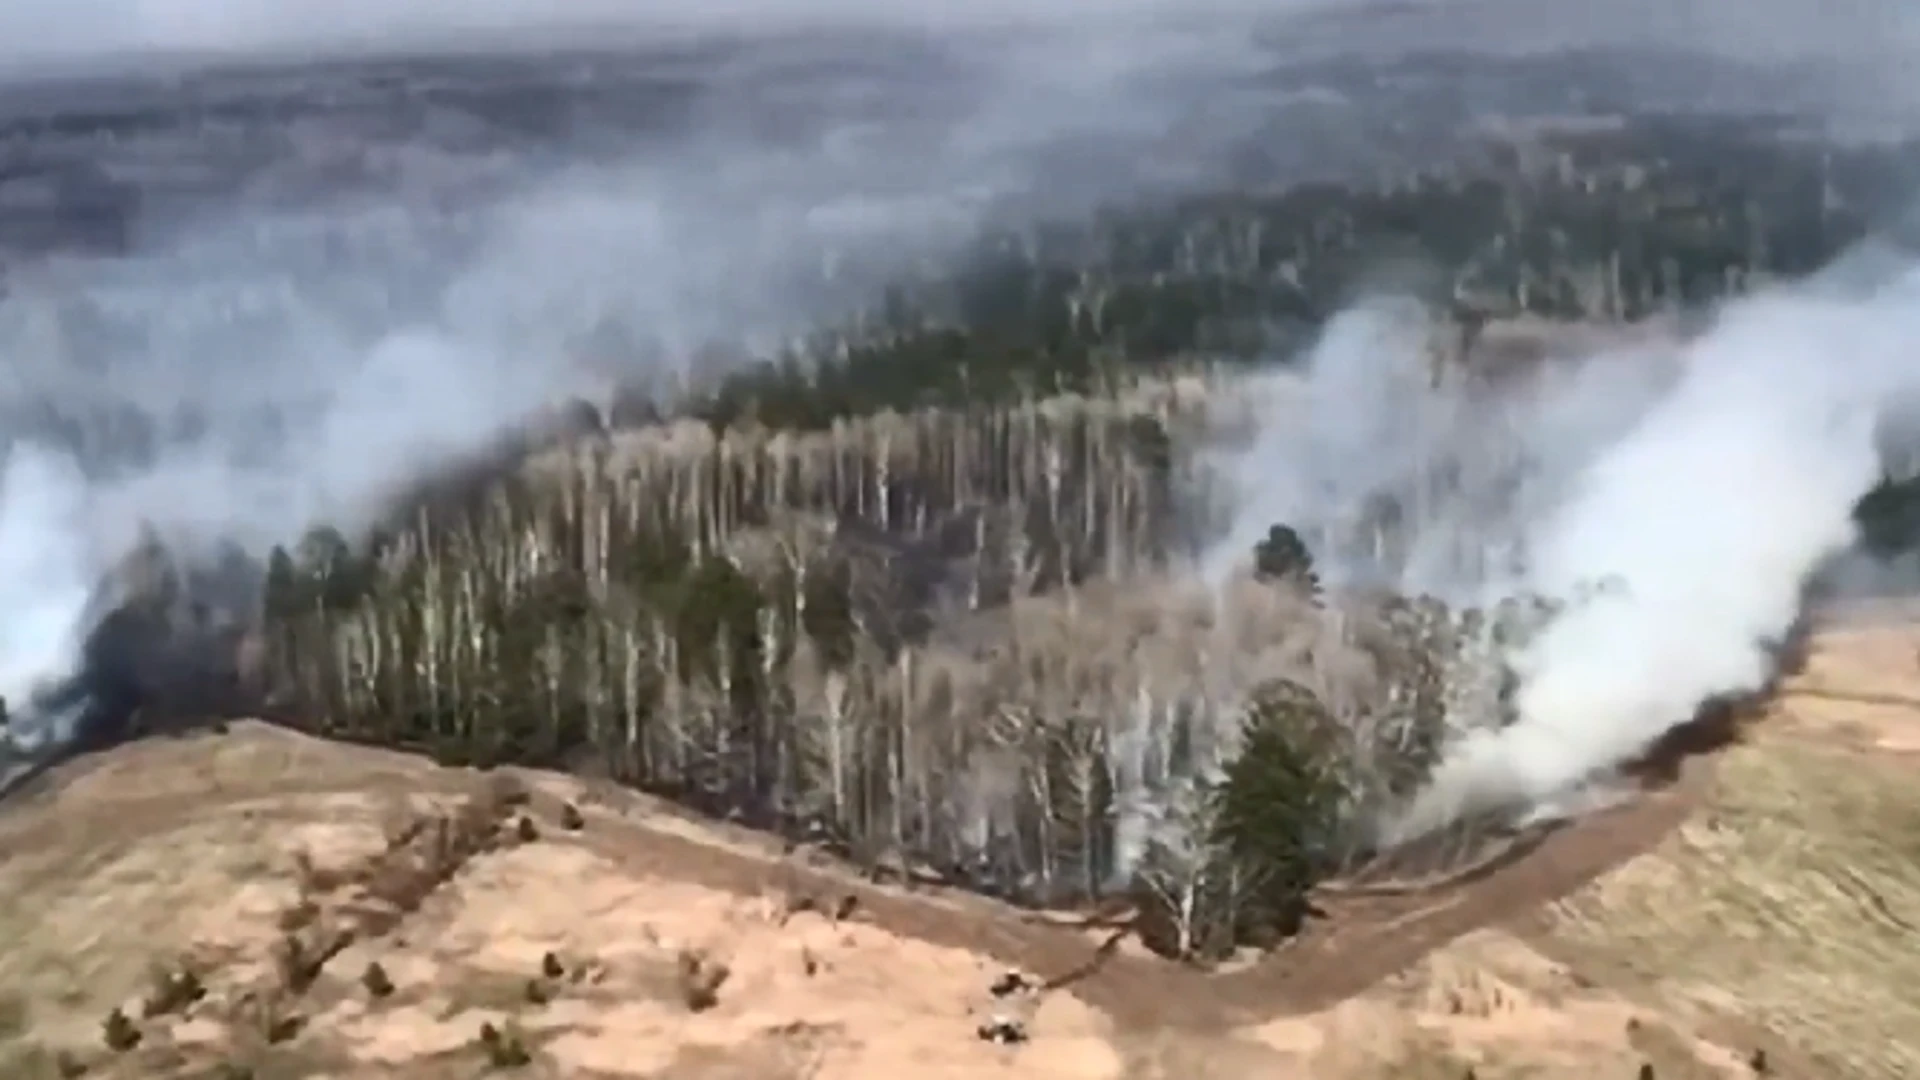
pixel 912 589
pixel 1612 225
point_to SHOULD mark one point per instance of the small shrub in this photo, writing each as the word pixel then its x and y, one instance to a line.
pixel 283 1026
pixel 119 1032
pixel 526 830
pixel 378 985
pixel 571 819
pixel 504 1049
pixel 700 979
pixel 298 962
pixel 1283 556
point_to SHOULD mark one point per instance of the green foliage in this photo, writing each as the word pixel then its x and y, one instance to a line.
pixel 1645 222
pixel 1279 801
pixel 714 611
pixel 1279 805
pixel 1283 556
pixel 1245 849
pixel 667 620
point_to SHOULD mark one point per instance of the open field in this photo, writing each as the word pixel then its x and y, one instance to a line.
pixel 1775 920
pixel 1791 901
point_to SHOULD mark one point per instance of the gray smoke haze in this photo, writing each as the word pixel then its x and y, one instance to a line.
pixel 1704 480
pixel 1714 511
pixel 381 282
pixel 43 33
pixel 323 281
pixel 345 278
pixel 1678 493
pixel 1429 486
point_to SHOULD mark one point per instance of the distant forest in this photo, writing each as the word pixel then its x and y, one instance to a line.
pixel 1609 225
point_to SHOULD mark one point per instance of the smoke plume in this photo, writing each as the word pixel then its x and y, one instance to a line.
pixel 1713 511
pixel 325 282
pixel 298 287
pixel 1706 479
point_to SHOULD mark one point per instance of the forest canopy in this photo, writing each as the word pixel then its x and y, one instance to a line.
pixel 912 589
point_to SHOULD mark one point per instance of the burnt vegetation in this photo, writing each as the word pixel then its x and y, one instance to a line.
pixel 910 593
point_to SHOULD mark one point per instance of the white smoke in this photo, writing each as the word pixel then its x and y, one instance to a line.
pixel 1373 420
pixel 1714 512
pixel 366 306
pixel 1707 480
pixel 44 584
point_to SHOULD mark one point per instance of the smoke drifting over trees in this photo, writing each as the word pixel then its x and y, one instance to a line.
pixel 1063 471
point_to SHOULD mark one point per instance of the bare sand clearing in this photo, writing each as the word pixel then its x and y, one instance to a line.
pixel 256 903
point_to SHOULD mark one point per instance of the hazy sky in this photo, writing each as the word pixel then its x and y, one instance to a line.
pixel 35 32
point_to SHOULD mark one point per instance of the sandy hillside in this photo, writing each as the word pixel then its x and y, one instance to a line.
pixel 259 904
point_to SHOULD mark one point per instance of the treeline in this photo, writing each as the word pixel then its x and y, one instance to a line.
pixel 1600 226
pixel 738 622
pixel 905 593
pixel 648 601
pixel 864 639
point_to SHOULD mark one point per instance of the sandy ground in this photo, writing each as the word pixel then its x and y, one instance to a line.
pixel 255 903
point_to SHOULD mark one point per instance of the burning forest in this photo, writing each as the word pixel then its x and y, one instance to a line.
pixel 1154 557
